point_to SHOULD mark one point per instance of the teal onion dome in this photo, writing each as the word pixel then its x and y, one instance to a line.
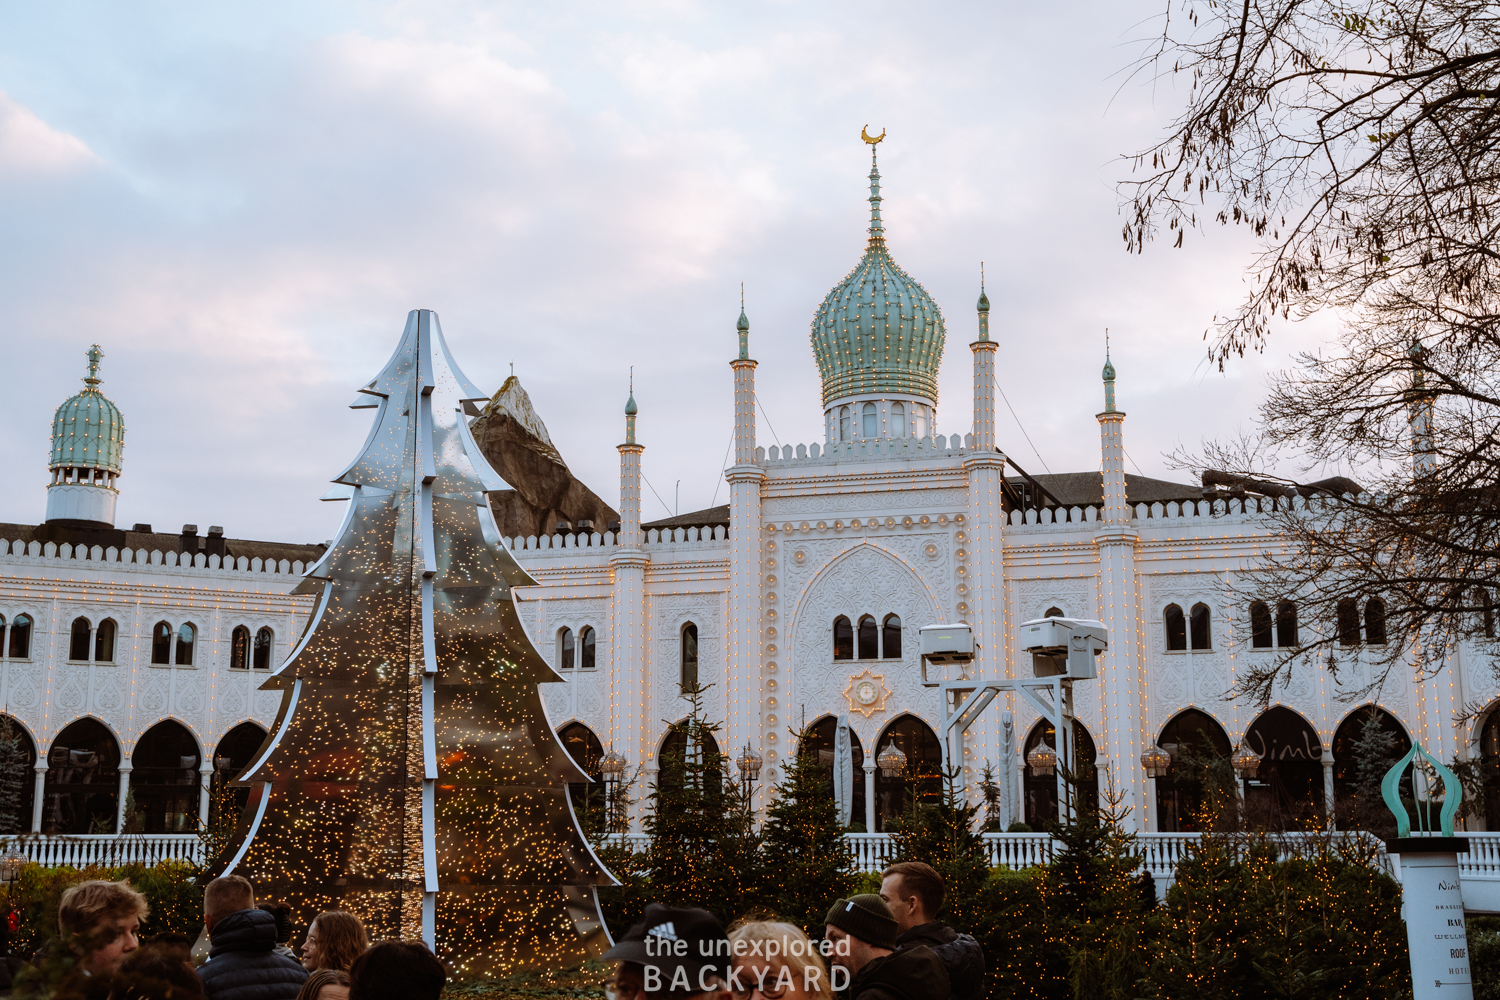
pixel 878 331
pixel 744 321
pixel 1109 369
pixel 88 430
pixel 984 302
pixel 630 409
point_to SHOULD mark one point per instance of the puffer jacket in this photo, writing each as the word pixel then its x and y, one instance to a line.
pixel 960 954
pixel 913 974
pixel 241 965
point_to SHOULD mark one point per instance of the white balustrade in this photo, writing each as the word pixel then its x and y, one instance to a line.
pixel 105 849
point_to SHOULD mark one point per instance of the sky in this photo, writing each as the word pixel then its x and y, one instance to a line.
pixel 240 203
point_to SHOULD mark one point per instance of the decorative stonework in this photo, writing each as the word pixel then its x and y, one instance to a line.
pixel 867 693
pixel 947 498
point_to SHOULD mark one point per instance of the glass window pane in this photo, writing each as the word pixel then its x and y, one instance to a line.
pixel 898 420
pixel 104 641
pixel 185 638
pixel 872 421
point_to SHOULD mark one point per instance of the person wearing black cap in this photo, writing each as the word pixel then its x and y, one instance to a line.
pixel 673 952
pixel 863 932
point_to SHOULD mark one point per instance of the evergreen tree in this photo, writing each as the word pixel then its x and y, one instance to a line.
pixel 14 764
pixel 942 834
pixel 807 859
pixel 990 789
pixel 703 850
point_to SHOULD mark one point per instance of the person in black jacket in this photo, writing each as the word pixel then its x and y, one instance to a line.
pixel 862 932
pixel 915 892
pixel 242 964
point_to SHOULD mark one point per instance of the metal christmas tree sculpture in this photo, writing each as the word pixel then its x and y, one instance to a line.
pixel 412 777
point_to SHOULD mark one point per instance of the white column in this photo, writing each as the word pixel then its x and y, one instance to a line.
pixel 870 794
pixel 120 803
pixel 983 605
pixel 748 711
pixel 630 731
pixel 205 782
pixel 38 797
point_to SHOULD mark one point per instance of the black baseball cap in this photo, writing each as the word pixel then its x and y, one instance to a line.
pixel 678 949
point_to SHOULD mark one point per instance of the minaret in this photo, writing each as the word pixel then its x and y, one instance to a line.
pixel 1120 674
pixel 746 714
pixel 983 606
pixel 88 441
pixel 1423 460
pixel 629 694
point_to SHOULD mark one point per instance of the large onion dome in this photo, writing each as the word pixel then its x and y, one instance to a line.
pixel 87 430
pixel 878 331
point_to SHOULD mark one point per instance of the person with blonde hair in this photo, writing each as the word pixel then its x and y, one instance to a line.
pixel 774 959
pixel 335 938
pixel 100 922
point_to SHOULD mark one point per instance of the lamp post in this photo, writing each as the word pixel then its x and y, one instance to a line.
pixel 749 762
pixel 612 766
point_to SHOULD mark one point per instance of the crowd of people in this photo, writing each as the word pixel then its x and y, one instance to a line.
pixel 249 955
pixel 885 946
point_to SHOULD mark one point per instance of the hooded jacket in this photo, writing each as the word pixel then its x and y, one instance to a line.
pixel 960 954
pixel 913 974
pixel 241 965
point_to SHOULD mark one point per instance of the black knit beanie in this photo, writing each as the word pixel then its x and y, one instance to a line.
pixel 865 917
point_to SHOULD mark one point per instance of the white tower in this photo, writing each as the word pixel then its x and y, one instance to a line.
pixel 88 440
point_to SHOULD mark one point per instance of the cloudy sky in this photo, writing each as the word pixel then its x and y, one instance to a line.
pixel 241 202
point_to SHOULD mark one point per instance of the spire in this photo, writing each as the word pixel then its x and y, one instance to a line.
pixel 743 326
pixel 95 356
pixel 1109 377
pixel 877 231
pixel 630 410
pixel 983 307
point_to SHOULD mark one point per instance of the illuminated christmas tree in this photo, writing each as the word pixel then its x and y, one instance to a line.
pixel 411 776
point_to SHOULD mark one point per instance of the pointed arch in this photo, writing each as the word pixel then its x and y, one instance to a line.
pixel 82 786
pixel 104 641
pixel 817 747
pixel 78 644
pixel 1365 745
pixel 924 763
pixel 235 751
pixel 18 758
pixel 1041 790
pixel 1260 625
pixel 1287 790
pixel 1196 742
pixel 1175 624
pixel 164 779
pixel 674 750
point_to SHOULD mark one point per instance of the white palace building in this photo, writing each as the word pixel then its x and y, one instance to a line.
pixel 132 658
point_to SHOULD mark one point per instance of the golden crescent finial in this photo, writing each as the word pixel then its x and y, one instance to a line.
pixel 864 134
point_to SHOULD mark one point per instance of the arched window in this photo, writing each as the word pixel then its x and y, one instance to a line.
pixel 18 759
pixel 1286 624
pixel 1375 622
pixel 239 648
pixel 1041 790
pixel 104 641
pixel 161 643
pixel 898 420
pixel 869 638
pixel 1348 622
pixel 1486 610
pixel 924 765
pixel 265 645
pixel 20 637
pixel 2 635
pixel 1054 613
pixel 586 641
pixel 78 648
pixel 1260 625
pixel 1287 790
pixel 1200 751
pixel 843 639
pixel 164 780
pixel 890 638
pixel 817 747
pixel 918 420
pixel 586 750
pixel 564 649
pixel 1199 622
pixel 235 752
pixel 83 780
pixel 187 636
pixel 843 423
pixel 1365 745
pixel 871 422
pixel 1176 627
pixel 689 670
pixel 678 750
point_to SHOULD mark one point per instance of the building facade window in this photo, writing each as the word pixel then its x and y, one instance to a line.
pixel 843 639
pixel 587 644
pixel 1286 624
pixel 82 785
pixel 1348 622
pixel 104 641
pixel 919 420
pixel 869 638
pixel 1375 621
pixel 187 638
pixel 239 648
pixel 1201 627
pixel 164 779
pixel 20 637
pixel 1176 627
pixel 890 638
pixel 689 667
pixel 898 420
pixel 78 646
pixel 1054 613
pixel 265 645
pixel 871 422
pixel 1260 625
pixel 843 423
pixel 161 643
pixel 564 649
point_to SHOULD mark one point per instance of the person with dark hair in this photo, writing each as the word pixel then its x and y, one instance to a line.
pixel 914 891
pixel 862 932
pixel 157 971
pixel 283 915
pixel 397 970
pixel 326 984
pixel 674 951
pixel 241 964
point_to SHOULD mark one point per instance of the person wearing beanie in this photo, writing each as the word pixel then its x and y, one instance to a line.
pixel 863 933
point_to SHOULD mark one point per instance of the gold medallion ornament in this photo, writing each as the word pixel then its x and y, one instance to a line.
pixel 867 693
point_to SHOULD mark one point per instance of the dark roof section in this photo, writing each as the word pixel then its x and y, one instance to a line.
pixel 1079 489
pixel 709 518
pixel 160 541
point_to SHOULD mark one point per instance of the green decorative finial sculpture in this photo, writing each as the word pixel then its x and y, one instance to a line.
pixel 1109 377
pixel 1453 793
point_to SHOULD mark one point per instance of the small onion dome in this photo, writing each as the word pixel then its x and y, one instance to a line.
pixel 984 302
pixel 892 761
pixel 749 763
pixel 613 763
pixel 630 406
pixel 1109 369
pixel 87 430
pixel 1245 761
pixel 744 323
pixel 1156 761
pixel 1043 761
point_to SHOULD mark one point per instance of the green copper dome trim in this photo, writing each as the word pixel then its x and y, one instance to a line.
pixel 88 430
pixel 878 330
